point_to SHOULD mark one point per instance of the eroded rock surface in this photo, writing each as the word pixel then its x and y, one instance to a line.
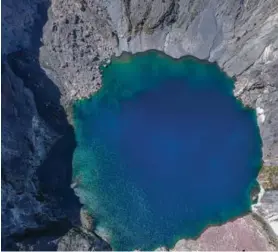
pixel 81 240
pixel 242 234
pixel 241 36
pixel 267 209
pixel 37 141
pixel 58 63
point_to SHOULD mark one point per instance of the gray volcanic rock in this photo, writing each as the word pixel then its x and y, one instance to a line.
pixel 34 124
pixel 81 240
pixel 267 209
pixel 46 66
pixel 33 201
pixel 241 36
pixel 26 139
pixel 17 23
pixel 87 220
pixel 77 37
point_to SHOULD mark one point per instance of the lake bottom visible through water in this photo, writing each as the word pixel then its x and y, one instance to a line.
pixel 164 150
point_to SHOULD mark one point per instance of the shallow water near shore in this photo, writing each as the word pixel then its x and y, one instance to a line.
pixel 164 150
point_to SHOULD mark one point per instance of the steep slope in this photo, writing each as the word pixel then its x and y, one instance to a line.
pixel 51 53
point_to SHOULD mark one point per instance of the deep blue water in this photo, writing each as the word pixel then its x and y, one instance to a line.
pixel 164 149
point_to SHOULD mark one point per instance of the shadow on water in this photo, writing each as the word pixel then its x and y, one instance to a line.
pixel 55 173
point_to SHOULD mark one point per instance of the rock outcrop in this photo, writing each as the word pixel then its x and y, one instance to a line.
pixel 243 234
pixel 78 239
pixel 51 56
pixel 241 36
pixel 38 205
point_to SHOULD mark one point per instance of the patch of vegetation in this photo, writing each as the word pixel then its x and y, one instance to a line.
pixel 268 177
pixel 148 30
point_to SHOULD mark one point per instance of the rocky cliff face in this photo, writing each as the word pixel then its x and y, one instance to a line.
pixel 37 141
pixel 52 51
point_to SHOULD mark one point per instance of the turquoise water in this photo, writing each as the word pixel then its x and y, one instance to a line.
pixel 164 150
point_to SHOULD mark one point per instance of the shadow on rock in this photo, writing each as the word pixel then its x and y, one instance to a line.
pixel 49 207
